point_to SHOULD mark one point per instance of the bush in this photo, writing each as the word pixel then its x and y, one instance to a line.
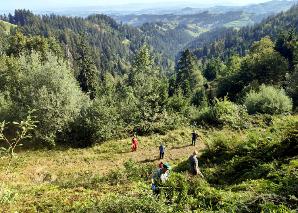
pixel 229 113
pixel 97 122
pixel 224 112
pixel 268 100
pixel 126 204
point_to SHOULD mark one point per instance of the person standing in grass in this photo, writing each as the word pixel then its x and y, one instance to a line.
pixel 162 149
pixel 134 143
pixel 194 137
pixel 194 164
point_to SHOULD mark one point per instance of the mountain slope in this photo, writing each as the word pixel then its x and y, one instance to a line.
pixel 225 42
pixel 256 13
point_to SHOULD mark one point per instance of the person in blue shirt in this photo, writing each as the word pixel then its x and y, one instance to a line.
pixel 194 136
pixel 162 149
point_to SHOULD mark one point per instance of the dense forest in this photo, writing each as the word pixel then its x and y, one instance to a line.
pixel 83 82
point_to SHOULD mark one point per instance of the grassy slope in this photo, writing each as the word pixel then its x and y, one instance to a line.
pixel 237 175
pixel 44 172
pixel 7 26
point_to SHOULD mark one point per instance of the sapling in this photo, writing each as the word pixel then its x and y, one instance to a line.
pixel 23 131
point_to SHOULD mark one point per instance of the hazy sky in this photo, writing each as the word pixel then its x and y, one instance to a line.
pixel 44 4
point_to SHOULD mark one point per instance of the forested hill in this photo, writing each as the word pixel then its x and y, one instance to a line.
pixel 111 44
pixel 170 33
pixel 70 83
pixel 250 13
pixel 203 19
pixel 225 42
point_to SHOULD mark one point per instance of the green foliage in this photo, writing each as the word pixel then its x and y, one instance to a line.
pixel 233 66
pixel 199 99
pixel 223 112
pixel 189 78
pixel 127 204
pixel 286 45
pixel 268 100
pixel 262 161
pixel 176 190
pixel 20 44
pixel 23 131
pixel 88 74
pixel 214 69
pixel 7 196
pixel 47 87
pixel 177 103
pixel 264 64
pixel 292 88
pixel 132 171
pixel 96 122
pixel 229 113
pixel 5 106
pixel 145 96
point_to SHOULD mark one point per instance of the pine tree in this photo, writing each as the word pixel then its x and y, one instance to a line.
pixel 142 67
pixel 189 77
pixel 88 74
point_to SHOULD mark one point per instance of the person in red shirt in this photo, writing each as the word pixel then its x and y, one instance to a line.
pixel 134 144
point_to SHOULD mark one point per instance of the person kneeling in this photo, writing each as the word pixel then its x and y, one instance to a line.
pixel 160 177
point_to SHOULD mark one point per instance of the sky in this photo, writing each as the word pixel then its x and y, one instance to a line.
pixel 47 4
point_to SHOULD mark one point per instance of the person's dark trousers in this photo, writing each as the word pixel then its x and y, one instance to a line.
pixel 161 155
pixel 156 191
pixel 193 142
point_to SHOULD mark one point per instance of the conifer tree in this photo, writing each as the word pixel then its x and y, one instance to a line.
pixel 189 77
pixel 88 74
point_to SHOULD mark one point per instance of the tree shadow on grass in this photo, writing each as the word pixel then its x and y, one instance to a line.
pixel 181 147
pixel 149 160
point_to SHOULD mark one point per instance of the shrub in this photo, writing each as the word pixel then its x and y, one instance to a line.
pixel 178 103
pixel 22 132
pixel 229 113
pixel 224 112
pixel 7 196
pixel 166 122
pixel 97 122
pixel 268 100
pixel 126 204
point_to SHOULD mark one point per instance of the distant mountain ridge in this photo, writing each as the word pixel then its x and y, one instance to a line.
pixel 257 12
pixel 223 43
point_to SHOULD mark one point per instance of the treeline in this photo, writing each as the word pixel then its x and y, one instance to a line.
pixel 112 44
pixel 73 105
pixel 77 104
pixel 266 63
pixel 104 37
